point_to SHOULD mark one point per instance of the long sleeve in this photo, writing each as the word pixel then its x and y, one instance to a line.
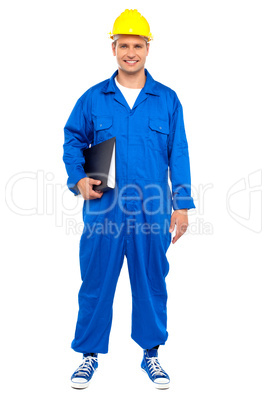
pixel 77 137
pixel 179 165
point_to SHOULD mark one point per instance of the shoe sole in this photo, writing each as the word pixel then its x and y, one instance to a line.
pixel 157 385
pixel 81 385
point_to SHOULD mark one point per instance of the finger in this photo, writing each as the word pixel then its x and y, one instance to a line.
pixel 171 228
pixel 96 194
pixel 94 181
pixel 179 232
pixel 176 237
pixel 172 224
pixel 183 228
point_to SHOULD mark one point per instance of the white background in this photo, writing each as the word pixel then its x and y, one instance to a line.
pixel 213 54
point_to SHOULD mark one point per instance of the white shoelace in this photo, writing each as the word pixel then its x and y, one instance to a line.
pixel 154 366
pixel 86 367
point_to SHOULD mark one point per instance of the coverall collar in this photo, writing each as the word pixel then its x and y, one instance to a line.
pixel 149 88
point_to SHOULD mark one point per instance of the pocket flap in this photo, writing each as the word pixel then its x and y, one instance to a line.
pixel 103 122
pixel 161 126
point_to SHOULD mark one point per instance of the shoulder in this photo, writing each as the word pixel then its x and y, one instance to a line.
pixel 169 94
pixel 90 92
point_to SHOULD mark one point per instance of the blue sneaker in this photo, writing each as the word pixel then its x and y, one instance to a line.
pixel 152 367
pixel 81 377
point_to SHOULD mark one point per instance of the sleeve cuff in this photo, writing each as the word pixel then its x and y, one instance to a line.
pixel 182 203
pixel 73 180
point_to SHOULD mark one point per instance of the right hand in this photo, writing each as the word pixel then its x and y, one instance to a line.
pixel 85 187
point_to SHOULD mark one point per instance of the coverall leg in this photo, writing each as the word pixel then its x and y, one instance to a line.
pixel 101 259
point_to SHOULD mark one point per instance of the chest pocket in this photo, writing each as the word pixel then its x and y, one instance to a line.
pixel 158 133
pixel 103 128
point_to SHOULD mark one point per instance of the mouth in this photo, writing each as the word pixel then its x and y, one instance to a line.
pixel 131 62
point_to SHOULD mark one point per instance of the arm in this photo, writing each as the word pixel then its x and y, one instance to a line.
pixel 179 167
pixel 78 135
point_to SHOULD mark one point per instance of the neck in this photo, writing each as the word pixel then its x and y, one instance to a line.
pixel 136 80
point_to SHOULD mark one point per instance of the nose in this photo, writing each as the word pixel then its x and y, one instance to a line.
pixel 131 53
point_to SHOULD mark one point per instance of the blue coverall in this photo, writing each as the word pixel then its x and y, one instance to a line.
pixel 132 219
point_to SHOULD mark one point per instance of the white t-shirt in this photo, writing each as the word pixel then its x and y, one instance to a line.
pixel 130 94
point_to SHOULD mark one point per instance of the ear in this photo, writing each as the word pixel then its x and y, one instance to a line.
pixel 113 49
pixel 148 47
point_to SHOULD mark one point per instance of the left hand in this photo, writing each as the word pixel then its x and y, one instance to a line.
pixel 180 219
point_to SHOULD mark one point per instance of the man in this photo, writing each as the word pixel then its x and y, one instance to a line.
pixel 134 219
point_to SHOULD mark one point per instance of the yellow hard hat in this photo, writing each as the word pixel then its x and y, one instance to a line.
pixel 131 22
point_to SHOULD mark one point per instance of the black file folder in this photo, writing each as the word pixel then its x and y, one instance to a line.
pixel 100 164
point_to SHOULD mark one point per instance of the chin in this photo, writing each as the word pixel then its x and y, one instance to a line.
pixel 131 70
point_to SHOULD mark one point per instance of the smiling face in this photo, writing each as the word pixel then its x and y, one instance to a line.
pixel 131 52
